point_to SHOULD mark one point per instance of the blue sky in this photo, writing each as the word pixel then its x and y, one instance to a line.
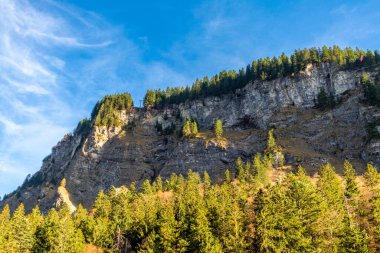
pixel 57 58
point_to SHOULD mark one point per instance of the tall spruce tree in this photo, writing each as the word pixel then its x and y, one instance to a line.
pixel 21 233
pixel 371 178
pixel 329 185
pixel 5 225
pixel 351 187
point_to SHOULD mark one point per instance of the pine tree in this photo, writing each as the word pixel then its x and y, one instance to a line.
pixel 58 233
pixel 169 237
pixel 375 214
pixel 194 129
pixel 35 220
pixel 239 168
pixel 21 234
pixel 5 225
pixel 273 151
pixel 353 239
pixel 287 217
pixel 218 129
pixel 322 99
pixel 227 176
pixel 206 180
pixel 150 99
pixel 371 178
pixel 351 187
pixel 187 129
pixel 261 169
pixel 329 185
pixel 147 187
pixel 271 143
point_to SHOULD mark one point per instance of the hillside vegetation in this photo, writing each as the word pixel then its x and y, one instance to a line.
pixel 258 208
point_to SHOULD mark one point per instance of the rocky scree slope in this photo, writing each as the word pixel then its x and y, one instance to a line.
pixel 101 157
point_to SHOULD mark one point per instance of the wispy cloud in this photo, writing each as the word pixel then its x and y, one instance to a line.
pixel 56 60
pixel 44 58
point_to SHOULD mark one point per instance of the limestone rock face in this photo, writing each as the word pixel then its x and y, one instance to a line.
pixel 259 100
pixel 103 157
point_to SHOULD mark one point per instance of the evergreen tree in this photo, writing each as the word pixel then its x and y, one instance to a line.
pixel 21 233
pixel 35 220
pixel 273 151
pixel 194 129
pixel 58 233
pixel 375 215
pixel 371 178
pixel 353 239
pixel 322 99
pixel 5 225
pixel 287 218
pixel 150 99
pixel 186 129
pixel 190 128
pixel 261 168
pixel 218 129
pixel 239 168
pixel 329 185
pixel 351 187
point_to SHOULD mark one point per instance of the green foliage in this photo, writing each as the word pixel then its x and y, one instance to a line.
pixel 106 112
pixel 324 100
pixel 371 90
pixel 149 98
pixel 371 177
pixel 190 128
pixel 58 233
pixel 351 187
pixel 329 185
pixel 218 129
pixel 178 214
pixel 355 239
pixel 288 218
pixel 260 70
pixel 274 151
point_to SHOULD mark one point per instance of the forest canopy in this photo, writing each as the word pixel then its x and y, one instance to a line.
pixel 245 212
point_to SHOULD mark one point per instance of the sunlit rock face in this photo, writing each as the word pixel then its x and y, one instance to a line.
pixel 259 100
pixel 104 157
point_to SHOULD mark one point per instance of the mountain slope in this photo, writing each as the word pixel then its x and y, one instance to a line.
pixel 99 157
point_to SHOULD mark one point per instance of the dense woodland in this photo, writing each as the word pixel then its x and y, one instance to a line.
pixel 263 69
pixel 254 208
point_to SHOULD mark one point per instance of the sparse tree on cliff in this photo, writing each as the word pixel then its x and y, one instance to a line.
pixel 218 129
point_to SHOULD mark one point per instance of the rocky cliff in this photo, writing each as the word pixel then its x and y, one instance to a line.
pixel 100 157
